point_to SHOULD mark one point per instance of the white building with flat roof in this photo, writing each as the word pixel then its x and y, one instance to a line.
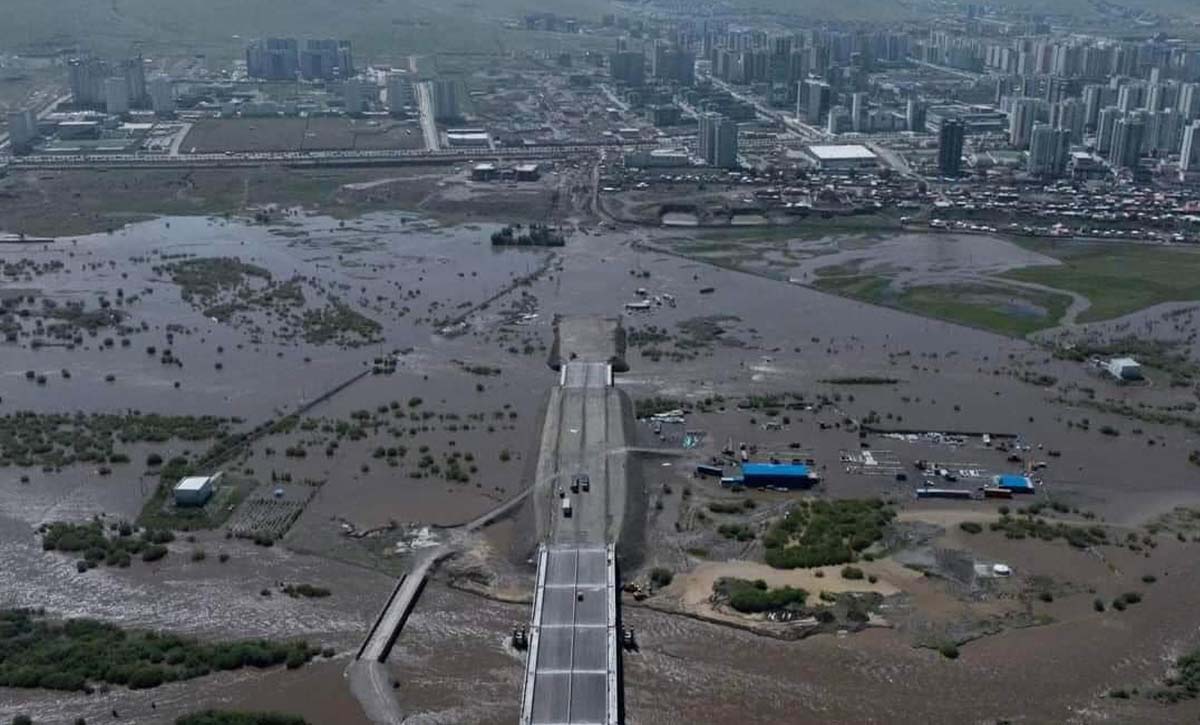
pixel 1124 368
pixel 831 157
pixel 195 490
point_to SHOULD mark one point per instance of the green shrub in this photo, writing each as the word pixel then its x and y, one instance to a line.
pixel 949 650
pixel 32 647
pixel 306 590
pixel 739 532
pixel 824 533
pixel 154 552
pixel 755 596
pixel 971 527
pixel 852 572
pixel 661 577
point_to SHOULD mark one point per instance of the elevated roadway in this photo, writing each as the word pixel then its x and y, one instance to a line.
pixel 300 159
pixel 572 673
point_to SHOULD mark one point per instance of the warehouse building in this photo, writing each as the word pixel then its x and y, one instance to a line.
pixel 1013 482
pixel 196 490
pixel 843 157
pixel 1125 369
pixel 777 475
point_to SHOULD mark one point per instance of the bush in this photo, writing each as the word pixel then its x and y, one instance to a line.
pixel 35 654
pixel 739 532
pixel 751 597
pixel 154 552
pixel 145 678
pixel 661 577
pixel 971 527
pixel 22 720
pixel 306 590
pixel 1098 604
pixel 949 650
pixel 825 533
pixel 852 572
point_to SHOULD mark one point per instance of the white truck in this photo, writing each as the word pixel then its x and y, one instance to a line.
pixel 566 508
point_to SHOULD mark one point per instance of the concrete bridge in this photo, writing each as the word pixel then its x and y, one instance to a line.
pixel 573 672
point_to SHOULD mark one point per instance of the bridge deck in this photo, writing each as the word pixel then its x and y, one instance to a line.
pixel 571 676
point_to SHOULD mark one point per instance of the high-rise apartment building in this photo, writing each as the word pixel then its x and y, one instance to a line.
pixel 950 147
pixel 1020 121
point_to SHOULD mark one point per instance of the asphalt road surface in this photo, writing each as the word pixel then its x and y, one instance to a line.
pixel 571 677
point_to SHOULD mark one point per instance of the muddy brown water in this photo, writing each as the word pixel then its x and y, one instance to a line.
pixel 452 661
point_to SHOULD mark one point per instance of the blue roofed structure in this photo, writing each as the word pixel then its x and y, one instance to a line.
pixel 785 475
pixel 1014 482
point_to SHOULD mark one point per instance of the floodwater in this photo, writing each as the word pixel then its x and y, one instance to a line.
pixel 452 662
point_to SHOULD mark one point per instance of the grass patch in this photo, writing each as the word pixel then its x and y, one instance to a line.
pixel 1117 278
pixel 1029 526
pixel 60 439
pixel 339 323
pixel 76 654
pixel 985 307
pixel 865 287
pixel 825 533
pixel 997 308
pixel 209 276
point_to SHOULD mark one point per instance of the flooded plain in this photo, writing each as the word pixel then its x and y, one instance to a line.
pixel 470 331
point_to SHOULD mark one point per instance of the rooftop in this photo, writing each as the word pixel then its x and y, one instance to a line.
pixel 841 152
pixel 774 469
pixel 193 483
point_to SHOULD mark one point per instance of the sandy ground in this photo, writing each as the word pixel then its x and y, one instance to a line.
pixel 695 587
